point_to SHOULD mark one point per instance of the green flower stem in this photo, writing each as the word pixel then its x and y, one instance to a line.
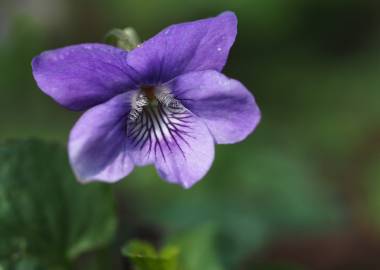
pixel 126 39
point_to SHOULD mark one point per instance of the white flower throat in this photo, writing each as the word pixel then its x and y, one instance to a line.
pixel 158 121
pixel 150 97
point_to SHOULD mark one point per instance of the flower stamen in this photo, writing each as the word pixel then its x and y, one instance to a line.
pixel 139 101
pixel 167 99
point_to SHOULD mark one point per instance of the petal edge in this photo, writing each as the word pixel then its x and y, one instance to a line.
pixel 186 47
pixel 81 76
pixel 97 142
pixel 225 105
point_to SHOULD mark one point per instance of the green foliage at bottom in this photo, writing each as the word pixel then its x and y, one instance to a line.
pixel 191 250
pixel 145 257
pixel 45 213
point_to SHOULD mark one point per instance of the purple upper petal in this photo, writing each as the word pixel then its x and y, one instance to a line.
pixel 186 47
pixel 97 143
pixel 225 105
pixel 81 76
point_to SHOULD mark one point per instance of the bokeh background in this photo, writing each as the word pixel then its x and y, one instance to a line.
pixel 302 192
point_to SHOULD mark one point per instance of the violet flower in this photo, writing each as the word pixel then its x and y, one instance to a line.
pixel 164 103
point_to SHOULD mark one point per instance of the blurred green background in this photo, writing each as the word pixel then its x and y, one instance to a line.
pixel 302 192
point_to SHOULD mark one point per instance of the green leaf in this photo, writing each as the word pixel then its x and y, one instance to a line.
pixel 45 210
pixel 197 249
pixel 25 263
pixel 28 264
pixel 145 257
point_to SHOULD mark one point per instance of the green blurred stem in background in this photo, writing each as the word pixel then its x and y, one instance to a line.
pixel 126 38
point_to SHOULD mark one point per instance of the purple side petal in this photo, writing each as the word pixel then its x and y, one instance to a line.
pixel 179 144
pixel 81 76
pixel 186 47
pixel 97 143
pixel 227 107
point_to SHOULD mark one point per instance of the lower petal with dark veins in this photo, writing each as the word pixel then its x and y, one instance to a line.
pixel 175 140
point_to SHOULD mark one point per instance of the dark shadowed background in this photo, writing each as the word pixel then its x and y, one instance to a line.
pixel 302 192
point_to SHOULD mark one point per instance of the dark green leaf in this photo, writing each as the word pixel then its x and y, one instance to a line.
pixel 44 208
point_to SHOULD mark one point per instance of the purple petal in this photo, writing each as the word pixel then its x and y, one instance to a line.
pixel 178 143
pixel 81 76
pixel 186 47
pixel 225 105
pixel 97 143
